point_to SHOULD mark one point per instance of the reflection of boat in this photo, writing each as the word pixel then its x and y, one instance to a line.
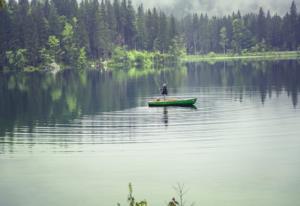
pixel 172 102
pixel 165 116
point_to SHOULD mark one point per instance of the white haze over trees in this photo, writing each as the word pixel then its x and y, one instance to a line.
pixel 218 7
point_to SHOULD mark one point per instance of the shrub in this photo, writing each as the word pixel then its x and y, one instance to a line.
pixel 211 54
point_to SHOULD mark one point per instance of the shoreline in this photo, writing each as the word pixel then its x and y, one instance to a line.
pixel 148 60
pixel 216 57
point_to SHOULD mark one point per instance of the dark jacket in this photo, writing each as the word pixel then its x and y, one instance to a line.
pixel 164 90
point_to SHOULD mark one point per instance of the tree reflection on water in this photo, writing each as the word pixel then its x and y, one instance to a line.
pixel 31 99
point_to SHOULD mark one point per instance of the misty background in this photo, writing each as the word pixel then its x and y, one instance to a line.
pixel 218 7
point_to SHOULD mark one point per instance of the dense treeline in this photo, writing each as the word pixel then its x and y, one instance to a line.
pixel 237 33
pixel 67 32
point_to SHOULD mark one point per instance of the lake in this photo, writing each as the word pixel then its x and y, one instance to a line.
pixel 79 137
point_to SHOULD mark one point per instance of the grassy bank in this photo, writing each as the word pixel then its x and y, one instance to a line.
pixel 282 55
pixel 136 60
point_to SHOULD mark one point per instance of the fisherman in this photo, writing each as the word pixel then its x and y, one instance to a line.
pixel 164 90
pixel 173 202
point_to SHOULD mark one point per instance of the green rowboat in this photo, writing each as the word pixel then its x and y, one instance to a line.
pixel 172 102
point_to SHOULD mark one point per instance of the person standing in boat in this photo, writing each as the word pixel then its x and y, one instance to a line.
pixel 164 90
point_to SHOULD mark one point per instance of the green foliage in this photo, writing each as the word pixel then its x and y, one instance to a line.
pixel 71 103
pixel 123 59
pixel 68 44
pixel 128 59
pixel 119 58
pixel 180 189
pixel 56 31
pixel 51 54
pixel 141 29
pixel 31 69
pixel 261 25
pixel 53 43
pixel 131 200
pixel 10 57
pixel 177 48
pixel 241 36
pixel 56 95
pixel 18 59
pixel 223 38
pixel 82 59
pixel 260 47
pixel 46 57
pixel 238 26
pixel 211 54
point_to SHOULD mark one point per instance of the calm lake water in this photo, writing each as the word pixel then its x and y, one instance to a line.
pixel 79 137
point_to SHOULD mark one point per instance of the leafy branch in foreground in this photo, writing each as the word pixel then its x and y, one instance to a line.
pixel 181 192
pixel 180 189
pixel 131 200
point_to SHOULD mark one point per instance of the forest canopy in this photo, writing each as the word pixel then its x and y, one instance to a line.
pixel 34 33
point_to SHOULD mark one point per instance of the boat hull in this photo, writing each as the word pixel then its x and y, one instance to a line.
pixel 172 102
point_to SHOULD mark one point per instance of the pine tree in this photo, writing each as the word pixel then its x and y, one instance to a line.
pixel 292 30
pixel 66 8
pixel 187 28
pixel 104 33
pixel 5 27
pixel 261 26
pixel 162 37
pixel 173 30
pixel 130 26
pixel 12 26
pixel 141 30
pixel 223 38
pixel 204 34
pixel 275 30
pixel 238 35
pixel 111 20
pixel 40 26
pixel 195 33
pixel 23 23
pixel 152 26
pixel 214 35
pixel 52 17
pixel 81 33
pixel 116 7
pixel 68 43
pixel 94 29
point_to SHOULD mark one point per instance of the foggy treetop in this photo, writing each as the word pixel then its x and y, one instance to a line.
pixel 218 7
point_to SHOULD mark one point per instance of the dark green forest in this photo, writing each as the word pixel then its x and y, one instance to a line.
pixel 38 33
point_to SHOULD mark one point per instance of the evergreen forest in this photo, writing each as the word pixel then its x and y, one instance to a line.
pixel 69 32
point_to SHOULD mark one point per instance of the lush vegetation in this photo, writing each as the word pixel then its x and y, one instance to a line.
pixel 121 58
pixel 74 33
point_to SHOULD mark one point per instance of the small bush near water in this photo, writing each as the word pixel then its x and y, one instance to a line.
pixel 180 192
